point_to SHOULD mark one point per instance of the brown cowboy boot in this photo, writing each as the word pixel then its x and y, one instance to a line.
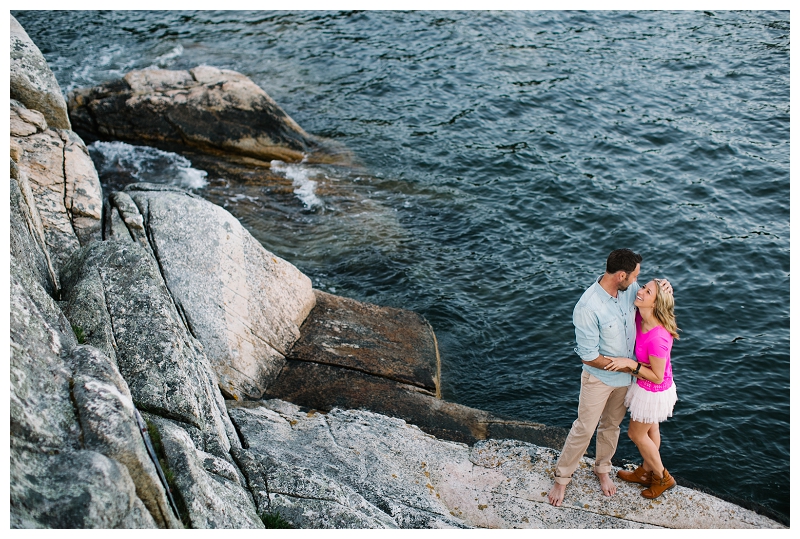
pixel 639 475
pixel 659 485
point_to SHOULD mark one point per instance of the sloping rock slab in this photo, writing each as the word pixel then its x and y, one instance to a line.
pixel 395 344
pixel 242 302
pixel 344 468
pixel 27 240
pixel 212 110
pixel 163 365
pixel 41 412
pixel 62 179
pixel 421 481
pixel 306 498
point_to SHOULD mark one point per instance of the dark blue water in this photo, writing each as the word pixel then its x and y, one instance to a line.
pixel 503 156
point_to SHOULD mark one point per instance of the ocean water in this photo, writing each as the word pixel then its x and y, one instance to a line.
pixel 501 156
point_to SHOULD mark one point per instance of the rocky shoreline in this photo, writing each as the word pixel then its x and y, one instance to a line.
pixel 168 371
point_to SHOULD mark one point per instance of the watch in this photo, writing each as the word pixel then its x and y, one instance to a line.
pixel 638 366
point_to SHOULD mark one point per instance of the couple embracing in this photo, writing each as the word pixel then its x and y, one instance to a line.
pixel 616 320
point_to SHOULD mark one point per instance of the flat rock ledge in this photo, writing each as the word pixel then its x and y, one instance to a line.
pixel 347 466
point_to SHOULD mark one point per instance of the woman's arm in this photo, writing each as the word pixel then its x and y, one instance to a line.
pixel 653 372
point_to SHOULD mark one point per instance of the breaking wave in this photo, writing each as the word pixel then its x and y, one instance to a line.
pixel 305 187
pixel 146 164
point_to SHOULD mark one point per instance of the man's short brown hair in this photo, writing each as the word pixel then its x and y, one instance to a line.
pixel 622 260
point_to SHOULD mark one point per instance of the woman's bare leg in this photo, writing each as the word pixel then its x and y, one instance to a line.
pixel 655 435
pixel 639 434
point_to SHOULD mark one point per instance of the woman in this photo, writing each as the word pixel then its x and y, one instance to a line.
pixel 652 395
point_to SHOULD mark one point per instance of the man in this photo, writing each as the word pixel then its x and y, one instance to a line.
pixel 604 327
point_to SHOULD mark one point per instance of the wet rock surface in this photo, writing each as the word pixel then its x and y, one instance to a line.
pixel 216 111
pixel 390 343
pixel 354 355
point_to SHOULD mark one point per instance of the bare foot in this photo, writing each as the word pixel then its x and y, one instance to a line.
pixel 606 484
pixel 556 494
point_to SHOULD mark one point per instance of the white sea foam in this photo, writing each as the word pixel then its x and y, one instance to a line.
pixel 300 175
pixel 147 164
pixel 166 59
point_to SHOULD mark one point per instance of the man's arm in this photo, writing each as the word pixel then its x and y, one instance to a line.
pixel 601 361
pixel 587 338
pixel 587 334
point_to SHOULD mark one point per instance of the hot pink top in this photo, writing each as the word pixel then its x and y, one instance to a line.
pixel 656 342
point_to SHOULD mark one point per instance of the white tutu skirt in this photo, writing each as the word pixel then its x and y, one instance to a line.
pixel 648 406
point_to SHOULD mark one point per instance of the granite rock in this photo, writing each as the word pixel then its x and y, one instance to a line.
pixel 32 81
pixel 208 488
pixel 421 481
pixel 62 181
pixel 27 240
pixel 55 480
pixel 215 111
pixel 81 489
pixel 108 426
pixel 164 366
pixel 243 303
pixel 42 414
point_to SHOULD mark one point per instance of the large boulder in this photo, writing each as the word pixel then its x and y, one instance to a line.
pixel 62 179
pixel 421 481
pixel 211 110
pixel 32 82
pixel 243 303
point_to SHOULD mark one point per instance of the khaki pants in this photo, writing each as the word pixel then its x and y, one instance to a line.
pixel 600 407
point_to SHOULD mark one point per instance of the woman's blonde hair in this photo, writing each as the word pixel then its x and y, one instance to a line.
pixel 664 310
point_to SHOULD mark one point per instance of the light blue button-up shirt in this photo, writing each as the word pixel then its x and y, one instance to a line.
pixel 605 325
